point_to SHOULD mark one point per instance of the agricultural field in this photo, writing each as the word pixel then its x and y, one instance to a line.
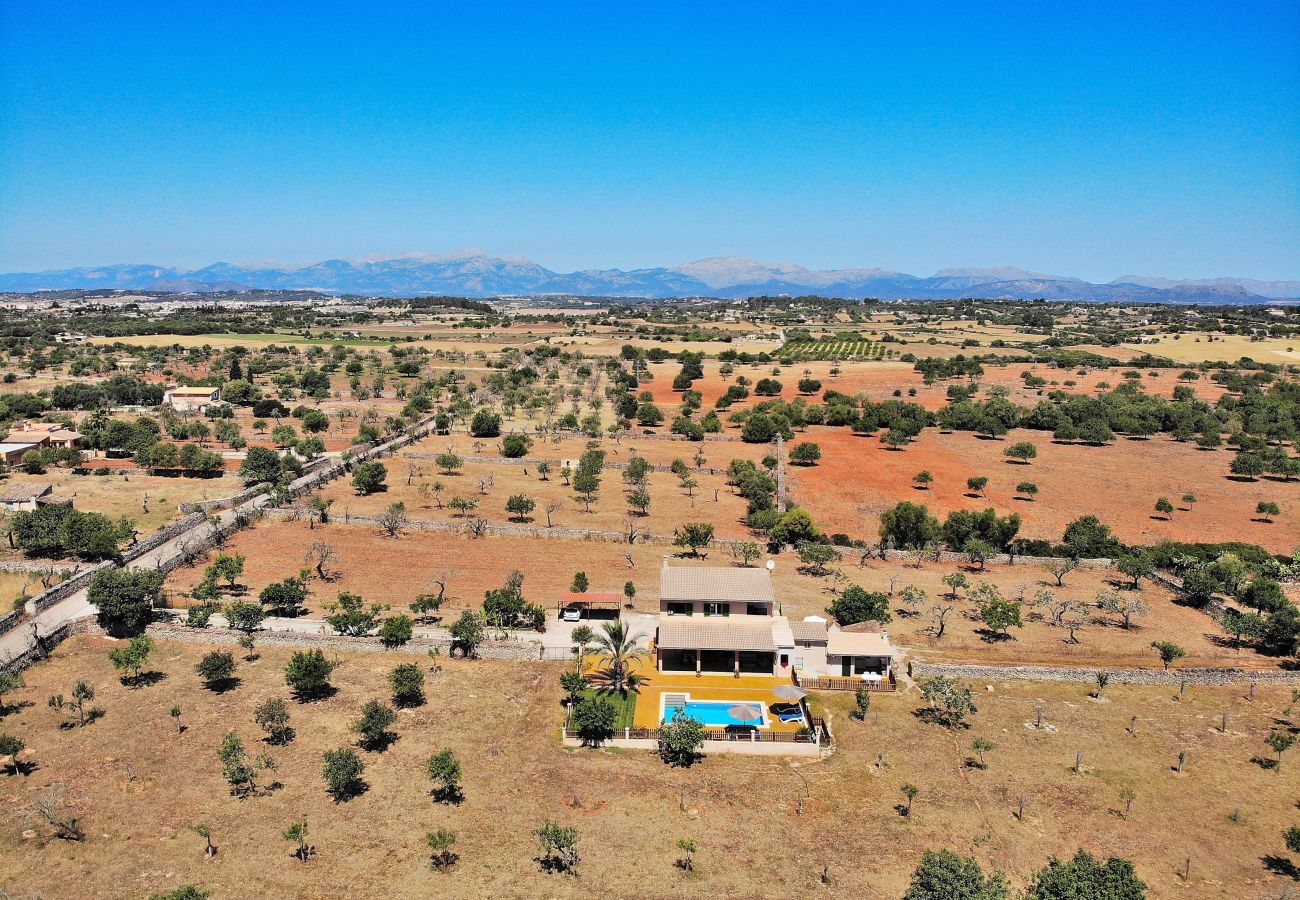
pixel 858 478
pixel 1212 829
pixel 150 501
pixel 832 349
pixel 1222 348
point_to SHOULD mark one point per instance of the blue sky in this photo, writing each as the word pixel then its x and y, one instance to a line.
pixel 1094 139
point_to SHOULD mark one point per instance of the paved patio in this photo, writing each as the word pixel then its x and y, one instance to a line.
pixel 749 688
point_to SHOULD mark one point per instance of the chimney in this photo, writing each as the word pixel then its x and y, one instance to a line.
pixel 884 634
pixel 665 560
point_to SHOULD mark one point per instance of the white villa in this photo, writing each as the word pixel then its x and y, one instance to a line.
pixel 719 620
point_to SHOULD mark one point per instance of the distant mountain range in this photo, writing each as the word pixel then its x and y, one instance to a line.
pixel 473 274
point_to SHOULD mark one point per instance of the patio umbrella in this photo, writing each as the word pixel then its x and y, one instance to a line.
pixel 789 692
pixel 745 713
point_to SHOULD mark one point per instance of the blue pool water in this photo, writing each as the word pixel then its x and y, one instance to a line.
pixel 714 713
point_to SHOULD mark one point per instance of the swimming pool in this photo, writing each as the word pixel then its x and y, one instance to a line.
pixel 715 713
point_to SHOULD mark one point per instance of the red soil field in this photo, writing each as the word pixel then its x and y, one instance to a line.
pixel 858 478
pixel 879 380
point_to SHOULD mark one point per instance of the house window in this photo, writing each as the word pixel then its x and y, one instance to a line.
pixel 757 609
pixel 681 609
pixel 717 609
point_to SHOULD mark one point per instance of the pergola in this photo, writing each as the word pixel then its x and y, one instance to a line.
pixel 589 600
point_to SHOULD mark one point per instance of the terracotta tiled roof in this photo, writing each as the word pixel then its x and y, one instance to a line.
pixel 847 643
pixel 688 635
pixel 716 583
pixel 808 631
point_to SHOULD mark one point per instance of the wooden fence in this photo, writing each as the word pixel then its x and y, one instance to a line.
pixel 812 683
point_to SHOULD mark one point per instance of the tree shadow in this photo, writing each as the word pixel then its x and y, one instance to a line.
pixel 144 679
pixel 553 865
pixel 24 767
pixel 989 636
pixel 15 707
pixel 410 701
pixel 379 743
pixel 453 796
pixel 323 693
pixel 935 717
pixel 223 685
pixel 282 737
pixel 1280 865
pixel 1264 762
pixel 349 792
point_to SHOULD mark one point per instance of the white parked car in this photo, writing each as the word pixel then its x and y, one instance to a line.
pixel 570 614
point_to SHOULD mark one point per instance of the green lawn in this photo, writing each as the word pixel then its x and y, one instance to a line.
pixel 624 705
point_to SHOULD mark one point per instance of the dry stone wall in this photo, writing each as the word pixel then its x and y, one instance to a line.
pixel 1207 676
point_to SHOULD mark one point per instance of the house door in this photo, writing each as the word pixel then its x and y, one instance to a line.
pixel 846 666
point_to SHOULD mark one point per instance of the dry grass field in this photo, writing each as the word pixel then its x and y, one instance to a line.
pixel 16 584
pixel 858 478
pixel 139 786
pixel 1224 348
pixel 129 494
pixel 670 505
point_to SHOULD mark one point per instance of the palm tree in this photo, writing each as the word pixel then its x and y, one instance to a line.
pixel 619 648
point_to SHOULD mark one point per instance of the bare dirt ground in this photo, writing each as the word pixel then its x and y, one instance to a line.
pixel 858 478
pixel 138 787
pixel 395 570
pixel 1101 642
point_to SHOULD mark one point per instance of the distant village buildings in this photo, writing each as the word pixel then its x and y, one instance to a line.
pixel 191 399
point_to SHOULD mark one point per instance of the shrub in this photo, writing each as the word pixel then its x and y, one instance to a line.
pixel 217 669
pixel 342 773
pixel 515 446
pixel 593 719
pixel 308 674
pixel 273 717
pixel 368 477
pixel 407 684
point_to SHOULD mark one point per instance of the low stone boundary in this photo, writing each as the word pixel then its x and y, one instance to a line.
pixel 954 556
pixel 525 461
pixel 8 621
pixel 21 567
pixel 513 650
pixel 782 488
pixel 162 536
pixel 65 589
pixel 225 502
pixel 1208 676
pixel 48 642
pixel 751 748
